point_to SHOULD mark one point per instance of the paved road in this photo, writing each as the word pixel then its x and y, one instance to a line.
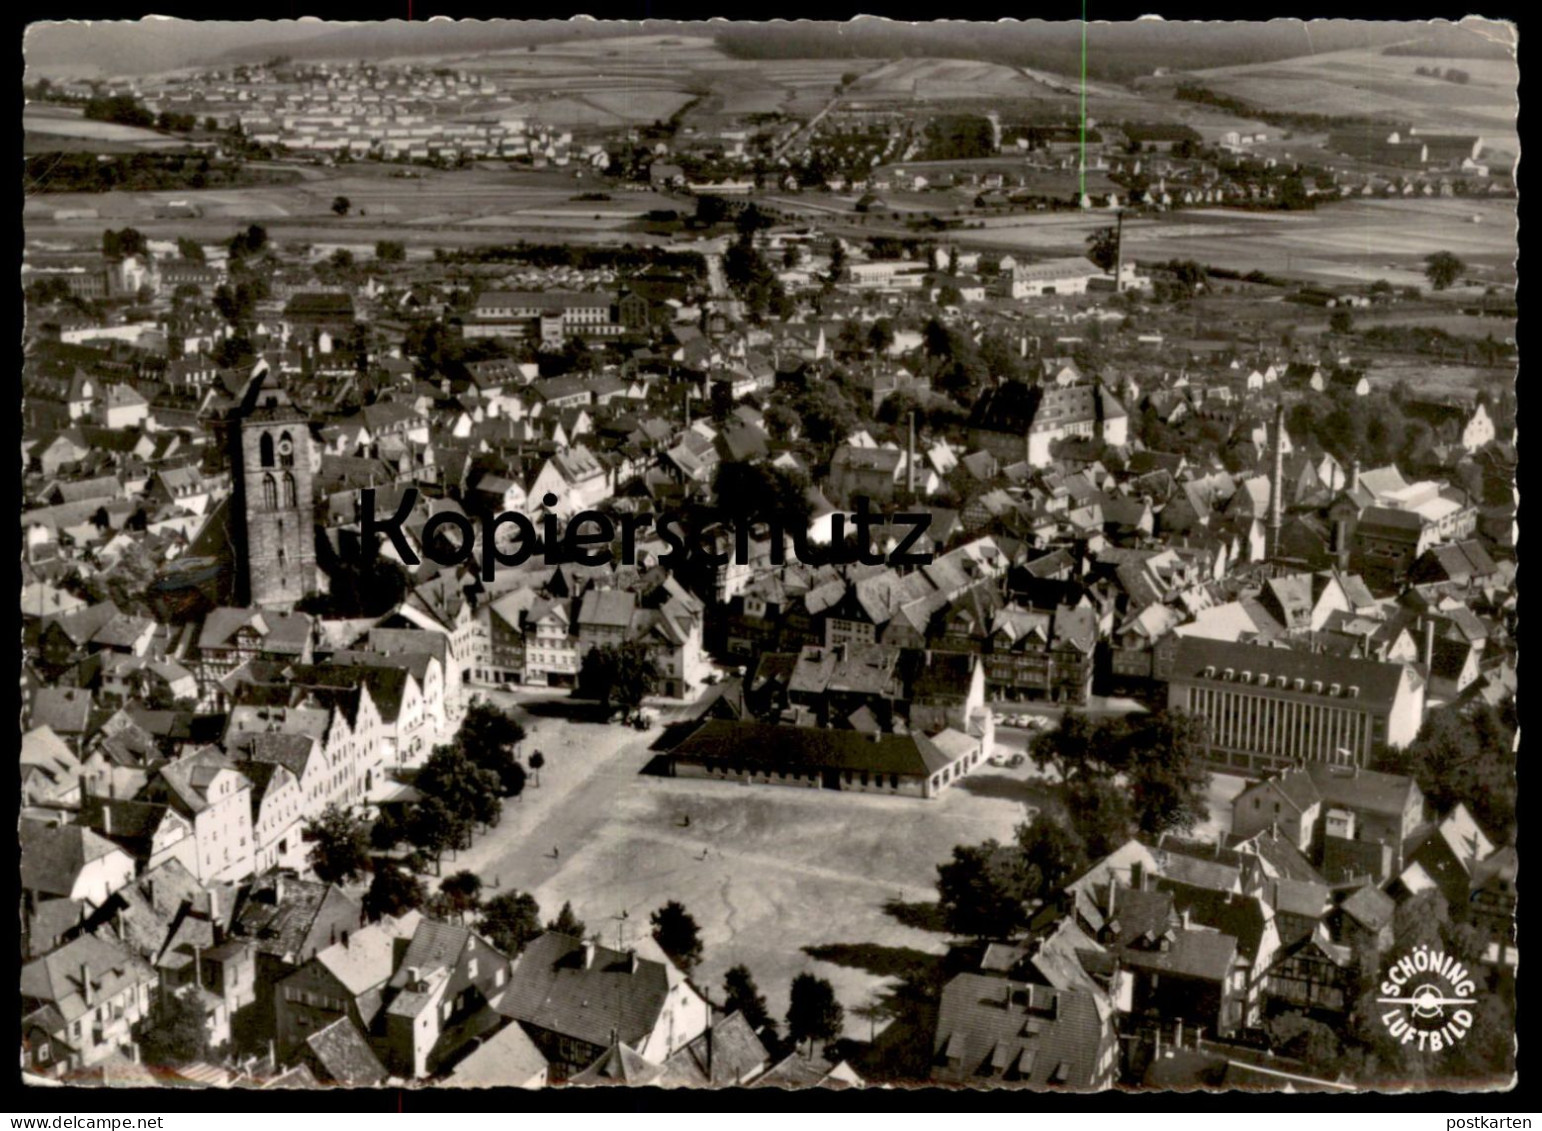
pixel 806 130
pixel 716 280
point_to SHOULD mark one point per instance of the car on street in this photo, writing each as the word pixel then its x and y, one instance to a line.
pixel 1016 760
pixel 998 759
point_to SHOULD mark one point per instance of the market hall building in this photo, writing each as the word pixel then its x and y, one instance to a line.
pixel 911 765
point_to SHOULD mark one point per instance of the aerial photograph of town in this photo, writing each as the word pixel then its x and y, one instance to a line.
pixel 837 556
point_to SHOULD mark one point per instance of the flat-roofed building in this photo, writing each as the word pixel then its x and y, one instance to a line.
pixel 1271 707
pixel 550 315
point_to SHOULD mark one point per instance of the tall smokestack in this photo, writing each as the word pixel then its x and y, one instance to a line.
pixel 1277 483
pixel 910 460
pixel 1354 476
pixel 1429 645
pixel 1119 252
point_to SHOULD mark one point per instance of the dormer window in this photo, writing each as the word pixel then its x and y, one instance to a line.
pixel 1300 684
pixel 1247 677
pixel 1335 689
pixel 1231 674
pixel 1354 691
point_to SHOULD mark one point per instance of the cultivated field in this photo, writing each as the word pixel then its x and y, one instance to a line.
pixel 54 128
pixel 1457 382
pixel 434 206
pixel 1351 241
pixel 1363 83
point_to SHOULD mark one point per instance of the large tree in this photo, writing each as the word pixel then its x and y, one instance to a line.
pixel 758 492
pixel 1443 269
pixel 1103 248
pixel 463 890
pixel 1465 758
pixel 387 832
pixel 1052 855
pixel 1166 772
pixel 467 790
pixel 676 932
pixel 622 675
pixel 393 891
pixel 568 923
pixel 813 1012
pixel 511 920
pixel 742 995
pixel 340 845
pixel 982 890
pixel 880 336
pixel 178 1031
pixel 433 828
pixel 1079 746
pixel 121 244
pixel 491 740
pixel 1101 812
pixel 826 416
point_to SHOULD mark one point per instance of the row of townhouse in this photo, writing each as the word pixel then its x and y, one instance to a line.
pixel 530 638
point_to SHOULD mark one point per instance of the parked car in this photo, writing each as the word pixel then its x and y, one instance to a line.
pixel 1016 760
pixel 998 759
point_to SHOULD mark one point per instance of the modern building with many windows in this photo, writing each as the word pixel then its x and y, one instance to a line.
pixel 1271 707
pixel 551 316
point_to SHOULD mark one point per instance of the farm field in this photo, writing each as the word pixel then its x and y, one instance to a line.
pixel 1354 241
pixel 1370 83
pixel 434 200
pixel 67 122
pixel 1444 381
pixel 55 129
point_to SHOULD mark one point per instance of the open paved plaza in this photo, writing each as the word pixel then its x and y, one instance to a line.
pixel 768 872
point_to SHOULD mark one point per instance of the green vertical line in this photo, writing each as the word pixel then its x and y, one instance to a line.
pixel 1083 170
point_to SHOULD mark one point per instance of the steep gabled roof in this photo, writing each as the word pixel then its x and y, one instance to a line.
pixel 993 1029
pixel 615 996
pixel 344 1056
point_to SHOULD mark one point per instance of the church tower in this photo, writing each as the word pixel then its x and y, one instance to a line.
pixel 278 515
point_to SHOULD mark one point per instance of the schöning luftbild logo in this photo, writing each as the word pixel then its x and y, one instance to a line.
pixel 1429 994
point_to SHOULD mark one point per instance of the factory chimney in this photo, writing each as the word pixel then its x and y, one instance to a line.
pixel 1429 646
pixel 1277 482
pixel 910 459
pixel 1119 252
